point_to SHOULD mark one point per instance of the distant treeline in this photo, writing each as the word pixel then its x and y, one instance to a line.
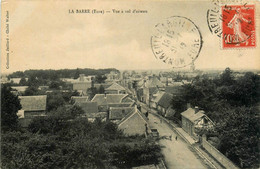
pixel 62 73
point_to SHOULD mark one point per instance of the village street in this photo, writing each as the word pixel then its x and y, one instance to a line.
pixel 177 153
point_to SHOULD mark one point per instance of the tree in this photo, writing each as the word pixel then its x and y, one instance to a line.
pixel 54 100
pixel 31 91
pixel 100 78
pixel 101 89
pixel 226 77
pixel 239 133
pixel 92 92
pixel 23 82
pixel 10 105
pixel 54 85
pixel 77 72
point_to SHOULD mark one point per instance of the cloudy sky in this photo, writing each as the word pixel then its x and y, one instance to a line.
pixel 44 35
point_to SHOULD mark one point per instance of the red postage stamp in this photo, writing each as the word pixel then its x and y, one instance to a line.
pixel 238 25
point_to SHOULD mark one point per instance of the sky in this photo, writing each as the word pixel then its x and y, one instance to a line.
pixel 44 35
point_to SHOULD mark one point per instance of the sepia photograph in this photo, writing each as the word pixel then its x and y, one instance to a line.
pixel 130 84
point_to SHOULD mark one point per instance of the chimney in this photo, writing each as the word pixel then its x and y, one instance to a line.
pixel 188 105
pixel 196 109
pixel 81 77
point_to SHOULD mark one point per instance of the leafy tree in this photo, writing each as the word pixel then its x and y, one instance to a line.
pixel 54 100
pixel 33 81
pixel 101 89
pixel 31 91
pixel 239 133
pixel 226 77
pixel 23 82
pixel 54 85
pixel 10 105
pixel 77 72
pixel 67 95
pixel 100 78
pixel 92 92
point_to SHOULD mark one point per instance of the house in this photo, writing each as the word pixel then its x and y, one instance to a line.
pixel 113 75
pixel 81 86
pixel 88 107
pixel 19 90
pixel 15 80
pixel 133 123
pixel 115 89
pixel 118 113
pixel 174 88
pixel 104 101
pixel 33 105
pixel 77 99
pixel 156 98
pixel 194 118
pixel 164 103
pixel 150 87
pixel 83 78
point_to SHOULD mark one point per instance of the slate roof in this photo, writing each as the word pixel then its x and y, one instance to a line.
pixel 20 88
pixel 115 86
pixel 175 90
pixel 105 85
pixel 128 116
pixel 154 82
pixel 88 107
pixel 158 96
pixel 79 98
pixel 33 103
pixel 191 115
pixel 165 100
pixel 118 113
pixel 110 98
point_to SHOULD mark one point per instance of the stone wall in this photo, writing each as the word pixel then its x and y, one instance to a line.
pixel 218 155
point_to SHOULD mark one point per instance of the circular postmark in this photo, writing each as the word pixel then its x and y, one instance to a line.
pixel 177 41
pixel 233 23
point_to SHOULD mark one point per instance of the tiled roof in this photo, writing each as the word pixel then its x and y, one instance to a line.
pixel 191 115
pixel 158 96
pixel 33 103
pixel 110 98
pixel 19 88
pixel 129 115
pixel 115 86
pixel 153 90
pixel 105 85
pixel 118 113
pixel 175 90
pixel 165 100
pixel 88 107
pixel 79 98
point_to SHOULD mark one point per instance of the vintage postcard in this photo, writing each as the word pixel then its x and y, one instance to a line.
pixel 130 84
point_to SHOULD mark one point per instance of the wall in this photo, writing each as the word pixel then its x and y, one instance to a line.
pixel 218 155
pixel 134 125
pixel 81 86
pixel 30 114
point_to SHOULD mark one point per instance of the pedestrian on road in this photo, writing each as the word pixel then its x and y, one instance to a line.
pixel 170 137
pixel 146 115
pixel 176 138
